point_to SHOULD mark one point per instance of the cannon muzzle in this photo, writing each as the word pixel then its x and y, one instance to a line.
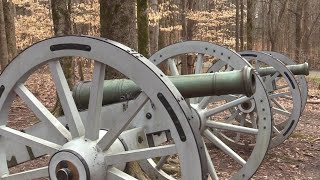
pixel 195 85
pixel 298 69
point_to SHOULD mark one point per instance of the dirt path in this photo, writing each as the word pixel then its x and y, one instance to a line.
pixel 299 156
pixel 314 73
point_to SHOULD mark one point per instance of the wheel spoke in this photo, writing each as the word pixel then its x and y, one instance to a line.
pixel 125 118
pixel 253 120
pixel 221 145
pixel 233 116
pixel 278 104
pixel 199 64
pixel 229 68
pixel 66 100
pixel 28 140
pixel 3 157
pixel 198 70
pixel 31 174
pixel 211 169
pixel 139 154
pixel 280 111
pixel 282 87
pixel 115 174
pixel 161 162
pixel 204 102
pixel 227 105
pixel 231 127
pixel 272 78
pixel 282 94
pixel 173 68
pixel 208 99
pixel 275 130
pixel 242 120
pixel 257 66
pixel 95 102
pixel 40 110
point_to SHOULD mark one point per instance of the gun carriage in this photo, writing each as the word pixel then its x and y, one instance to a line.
pixel 150 116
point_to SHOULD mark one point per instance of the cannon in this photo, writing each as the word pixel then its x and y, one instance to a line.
pixel 244 113
pixel 149 118
pixel 303 86
pixel 297 69
pixel 189 86
pixel 218 115
pixel 209 84
pixel 98 142
pixel 286 95
pixel 78 145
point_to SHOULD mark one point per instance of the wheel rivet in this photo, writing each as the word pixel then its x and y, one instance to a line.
pixel 148 115
pixel 140 139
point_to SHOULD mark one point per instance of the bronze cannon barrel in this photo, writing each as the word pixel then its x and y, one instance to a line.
pixel 195 85
pixel 298 69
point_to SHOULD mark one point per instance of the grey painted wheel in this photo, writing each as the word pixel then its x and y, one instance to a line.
pixel 84 149
pixel 207 116
pixel 301 79
pixel 284 94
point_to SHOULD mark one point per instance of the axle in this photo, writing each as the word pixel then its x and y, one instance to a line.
pixel 196 85
pixel 299 69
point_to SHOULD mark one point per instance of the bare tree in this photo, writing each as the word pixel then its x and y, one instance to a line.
pixel 250 23
pixel 61 17
pixel 241 25
pixel 275 22
pixel 237 24
pixel 154 28
pixel 118 22
pixel 143 28
pixel 8 8
pixel 187 33
pixel 3 39
pixel 298 13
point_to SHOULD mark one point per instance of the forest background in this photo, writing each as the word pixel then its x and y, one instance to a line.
pixel 288 26
pixel 291 27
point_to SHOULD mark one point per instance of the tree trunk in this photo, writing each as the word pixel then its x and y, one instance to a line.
pixel 8 8
pixel 162 43
pixel 263 25
pixel 250 30
pixel 154 28
pixel 118 22
pixel 298 30
pixel 275 20
pixel 237 25
pixel 184 63
pixel 187 28
pixel 61 17
pixel 143 28
pixel 3 40
pixel 241 26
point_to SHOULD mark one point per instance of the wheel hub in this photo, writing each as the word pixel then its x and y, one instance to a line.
pixel 64 174
pixel 247 107
pixel 81 159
